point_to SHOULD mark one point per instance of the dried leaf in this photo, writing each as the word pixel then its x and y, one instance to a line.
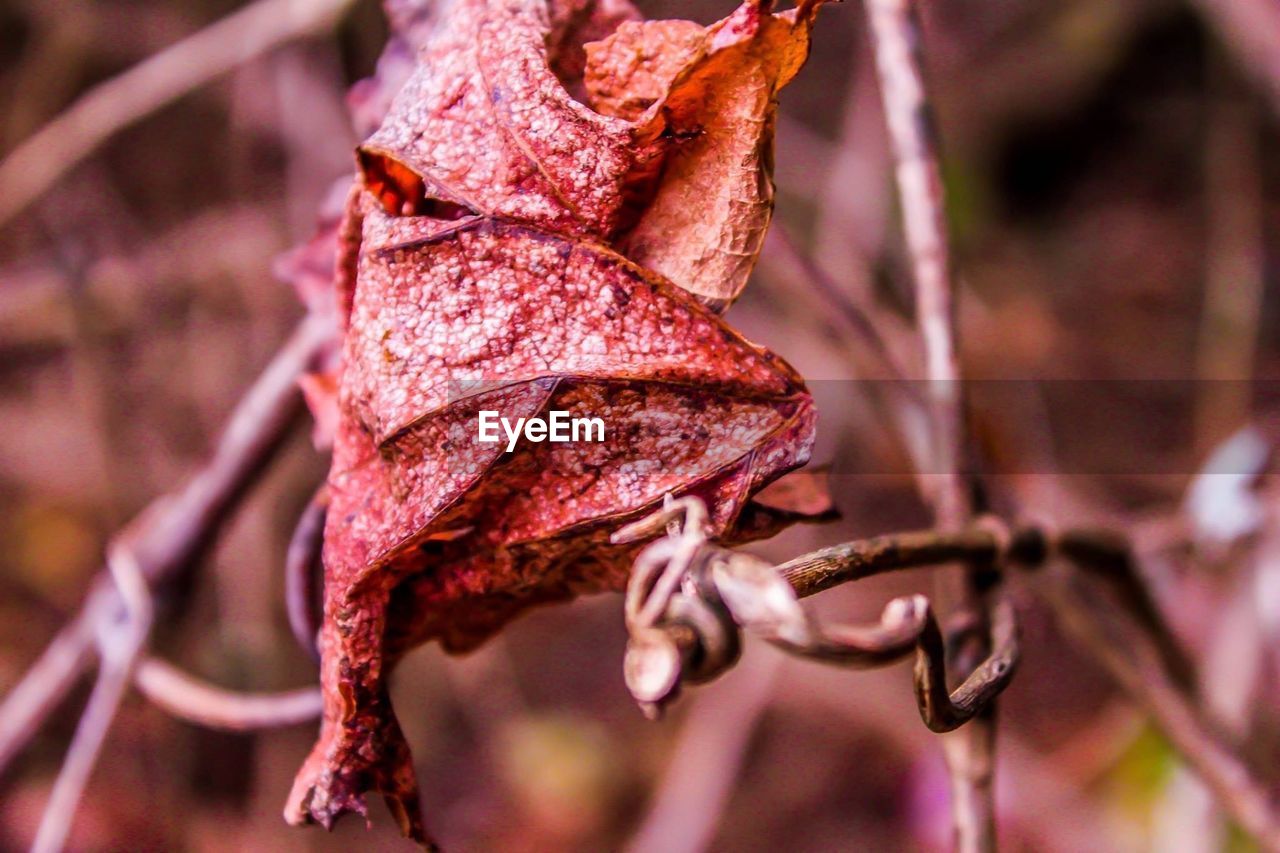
pixel 433 535
pixel 478 268
pixel 683 187
pixel 485 126
pixel 802 494
pixel 715 94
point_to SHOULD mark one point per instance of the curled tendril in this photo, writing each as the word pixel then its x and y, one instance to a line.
pixel 689 600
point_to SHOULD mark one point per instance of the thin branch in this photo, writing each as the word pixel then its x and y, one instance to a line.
pixel 895 31
pixel 1107 555
pixel 198 702
pixel 46 684
pixel 906 624
pixel 301 561
pixel 46 156
pixel 166 537
pixel 879 338
pixel 981 543
pixel 685 810
pixel 82 755
pixel 688 600
pixel 1051 812
pixel 171 532
pixel 1133 661
pixel 902 623
pixel 869 322
pixel 1251 30
pixel 896 37
pixel 909 622
pixel 943 711
pixel 119 642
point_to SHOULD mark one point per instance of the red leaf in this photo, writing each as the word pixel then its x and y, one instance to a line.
pixel 480 270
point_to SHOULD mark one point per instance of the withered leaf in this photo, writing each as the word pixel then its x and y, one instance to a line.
pixel 715 90
pixel 491 259
pixel 485 126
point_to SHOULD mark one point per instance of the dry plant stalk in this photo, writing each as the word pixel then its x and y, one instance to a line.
pixel 165 540
pixel 896 37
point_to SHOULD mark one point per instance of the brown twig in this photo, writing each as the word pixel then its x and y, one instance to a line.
pixel 1103 553
pixel 1132 660
pixel 688 599
pixel 849 561
pixel 48 154
pixel 169 535
pixel 943 710
pixel 895 30
pixel 1107 554
pixel 906 624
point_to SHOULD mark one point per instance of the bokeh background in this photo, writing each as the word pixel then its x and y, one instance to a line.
pixel 1113 177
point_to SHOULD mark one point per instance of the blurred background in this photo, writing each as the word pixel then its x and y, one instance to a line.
pixel 1113 177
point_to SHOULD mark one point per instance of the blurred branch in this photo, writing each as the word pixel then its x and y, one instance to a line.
pixel 1141 655
pixel 1131 659
pixel 1250 29
pixel 881 344
pixel 301 563
pixel 685 810
pixel 119 642
pixel 46 683
pixel 869 323
pixel 46 156
pixel 36 315
pixel 1051 811
pixel 896 39
pixel 851 230
pixel 166 538
pixel 1108 555
pixel 193 700
pixel 880 337
pixel 1235 274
